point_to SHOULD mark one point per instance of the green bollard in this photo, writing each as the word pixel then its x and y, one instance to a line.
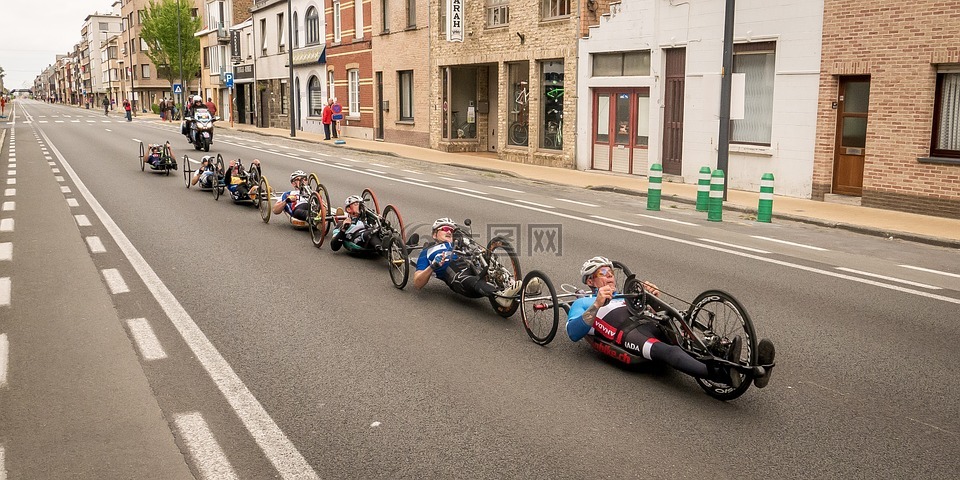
pixel 715 212
pixel 653 188
pixel 765 208
pixel 703 189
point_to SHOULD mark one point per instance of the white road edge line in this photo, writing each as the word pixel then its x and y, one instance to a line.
pixel 507 189
pixel 95 245
pixel 731 245
pixel 790 243
pixel 892 279
pixel 605 219
pixel 585 204
pixel 115 281
pixel 4 355
pixel 146 340
pixel 938 272
pixel 5 288
pixel 207 454
pixel 681 222
pixel 288 461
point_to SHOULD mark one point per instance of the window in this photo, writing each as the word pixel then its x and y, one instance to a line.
pixel 145 71
pixel 296 31
pixel 206 57
pixel 555 8
pixel 946 116
pixel 249 44
pixel 621 64
pixel 444 4
pixel 643 119
pixel 104 26
pixel 353 92
pixel 406 95
pixel 358 19
pixel 330 85
pixel 281 36
pixel 385 15
pixel 336 21
pixel 411 13
pixel 551 83
pixel 313 26
pixel 283 97
pixel 757 62
pixel 315 97
pixel 518 103
pixel 133 46
pixel 215 15
pixel 143 46
pixel 263 36
pixel 141 14
pixel 498 13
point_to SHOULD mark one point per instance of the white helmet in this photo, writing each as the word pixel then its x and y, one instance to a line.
pixel 352 199
pixel 207 158
pixel 197 98
pixel 592 265
pixel 297 174
pixel 443 221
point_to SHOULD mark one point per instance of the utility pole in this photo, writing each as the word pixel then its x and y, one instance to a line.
pixel 133 88
pixel 180 56
pixel 726 85
pixel 293 114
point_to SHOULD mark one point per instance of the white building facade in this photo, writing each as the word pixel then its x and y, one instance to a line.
pixel 309 64
pixel 649 91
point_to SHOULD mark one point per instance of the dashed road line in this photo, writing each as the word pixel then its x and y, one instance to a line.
pixel 789 243
pixel 11 181
pixel 507 189
pixel 146 340
pixel 6 251
pixel 58 178
pixel 5 291
pixel 65 189
pixel 343 164
pixel 928 270
pixel 413 172
pixel 614 220
pixel 4 361
pixel 681 222
pixel 471 191
pixel 73 202
pixel 454 179
pixel 208 457
pixel 376 171
pixel 55 170
pixel 82 220
pixel 114 281
pixel 731 245
pixel 379 165
pixel 585 204
pixel 6 225
pixel 9 206
pixel 96 246
pixel 535 204
pixel 892 279
pixel 416 180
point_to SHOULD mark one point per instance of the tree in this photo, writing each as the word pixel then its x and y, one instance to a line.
pixel 159 31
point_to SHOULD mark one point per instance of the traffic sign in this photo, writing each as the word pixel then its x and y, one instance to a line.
pixel 228 79
pixel 177 88
pixel 337 112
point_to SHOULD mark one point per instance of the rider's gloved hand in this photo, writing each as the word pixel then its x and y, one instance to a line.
pixel 437 261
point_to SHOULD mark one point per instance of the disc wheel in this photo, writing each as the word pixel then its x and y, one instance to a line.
pixel 263 199
pixel 317 219
pixel 397 261
pixel 370 198
pixel 539 307
pixel 504 270
pixel 187 177
pixel 143 152
pixel 391 219
pixel 716 318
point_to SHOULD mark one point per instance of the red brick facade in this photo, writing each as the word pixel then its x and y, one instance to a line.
pixel 900 46
pixel 352 52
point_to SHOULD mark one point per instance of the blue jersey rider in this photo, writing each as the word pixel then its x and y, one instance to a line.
pixel 292 202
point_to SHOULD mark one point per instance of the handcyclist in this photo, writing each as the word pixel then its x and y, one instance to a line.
pixel 236 180
pixel 204 175
pixel 440 259
pixel 292 202
pixel 154 154
pixel 354 231
pixel 602 315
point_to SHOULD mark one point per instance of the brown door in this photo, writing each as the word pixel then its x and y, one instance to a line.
pixel 615 135
pixel 851 135
pixel 675 71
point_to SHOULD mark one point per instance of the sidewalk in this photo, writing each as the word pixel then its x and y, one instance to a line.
pixel 872 221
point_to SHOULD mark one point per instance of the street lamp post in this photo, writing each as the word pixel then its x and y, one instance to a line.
pixel 293 128
pixel 180 54
pixel 726 85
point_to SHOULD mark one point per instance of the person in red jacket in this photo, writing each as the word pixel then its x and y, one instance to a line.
pixel 327 119
pixel 212 107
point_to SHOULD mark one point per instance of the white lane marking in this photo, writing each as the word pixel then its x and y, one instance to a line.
pixel 534 204
pixel 146 340
pixel 47 157
pixel 789 243
pixel 65 189
pixel 413 172
pixel 454 179
pixel 11 172
pixel 136 140
pixel 9 206
pixel 416 180
pixel 471 191
pixel 302 150
pixel 343 164
pixel 4 355
pixel 73 202
pixel 379 165
pixel 58 178
pixel 52 164
pixel 681 222
pixel 74 121
pixel 585 204
pixel 82 220
pixel 5 291
pixel 286 459
pixel 938 272
pixel 6 251
pixel 58 121
pixel 508 189
pixel 96 246
pixel 91 121
pixel 55 170
pixel 107 129
pixel 718 242
pixel 614 220
pixel 892 279
pixel 11 181
pixel 105 121
pixel 114 281
pixel 6 225
pixel 324 154
pixel 350 159
pixel 207 455
pixel 376 171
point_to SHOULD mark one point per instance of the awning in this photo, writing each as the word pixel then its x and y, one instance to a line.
pixel 310 56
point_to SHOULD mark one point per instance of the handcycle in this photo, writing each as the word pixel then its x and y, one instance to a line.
pixel 166 161
pixel 497 263
pixel 250 179
pixel 264 198
pixel 215 167
pixel 705 330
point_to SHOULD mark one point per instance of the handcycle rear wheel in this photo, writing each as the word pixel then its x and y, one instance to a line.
pixel 263 200
pixel 369 197
pixel 143 152
pixel 539 308
pixel 216 188
pixel 392 220
pixel 716 318
pixel 317 219
pixel 187 178
pixel 397 261
pixel 501 251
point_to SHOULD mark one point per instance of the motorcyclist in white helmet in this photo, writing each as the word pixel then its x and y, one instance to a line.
pixel 353 232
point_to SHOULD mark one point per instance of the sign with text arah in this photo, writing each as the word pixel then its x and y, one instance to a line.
pixel 455 20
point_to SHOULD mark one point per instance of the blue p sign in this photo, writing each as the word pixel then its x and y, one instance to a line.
pixel 228 79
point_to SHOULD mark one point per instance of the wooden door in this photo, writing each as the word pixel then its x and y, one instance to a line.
pixel 674 75
pixel 850 149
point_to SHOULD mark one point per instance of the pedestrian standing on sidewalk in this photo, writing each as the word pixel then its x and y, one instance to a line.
pixel 163 109
pixel 106 106
pixel 211 107
pixel 327 118
pixel 126 109
pixel 170 109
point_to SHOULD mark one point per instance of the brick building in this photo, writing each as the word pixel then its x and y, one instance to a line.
pixel 350 64
pixel 888 127
pixel 142 81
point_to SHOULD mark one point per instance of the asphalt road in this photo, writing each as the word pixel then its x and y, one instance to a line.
pixel 303 361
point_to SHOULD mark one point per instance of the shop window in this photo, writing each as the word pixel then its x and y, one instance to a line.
pixel 519 103
pixel 551 86
pixel 757 61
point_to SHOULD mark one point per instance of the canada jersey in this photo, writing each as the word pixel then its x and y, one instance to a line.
pixel 607 322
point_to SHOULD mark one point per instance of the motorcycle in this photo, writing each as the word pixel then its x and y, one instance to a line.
pixel 200 133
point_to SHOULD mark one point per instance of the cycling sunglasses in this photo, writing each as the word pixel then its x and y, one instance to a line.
pixel 603 272
pixel 445 229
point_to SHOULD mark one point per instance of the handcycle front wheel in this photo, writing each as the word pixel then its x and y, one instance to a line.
pixel 317 219
pixel 501 252
pixel 143 152
pixel 313 182
pixel 217 188
pixel 392 220
pixel 716 317
pixel 187 177
pixel 369 197
pixel 325 196
pixel 263 200
pixel 539 307
pixel 397 261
